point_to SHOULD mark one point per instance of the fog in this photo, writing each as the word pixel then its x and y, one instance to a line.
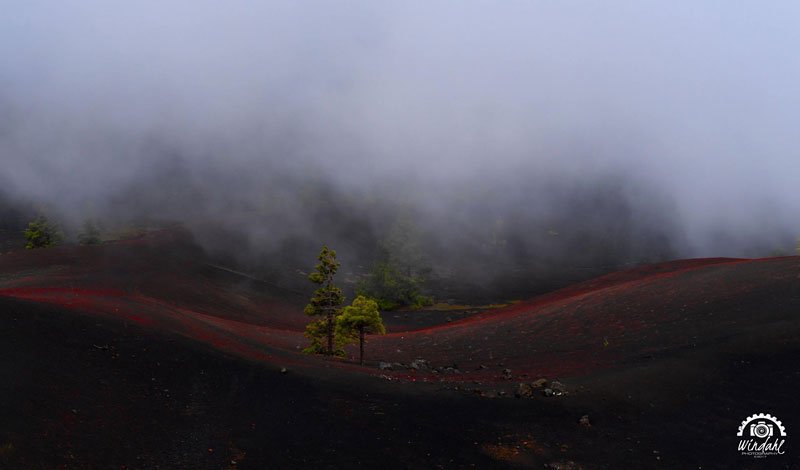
pixel 514 133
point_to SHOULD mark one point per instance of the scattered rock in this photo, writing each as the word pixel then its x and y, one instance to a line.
pixel 284 370
pixel 418 365
pixel 507 374
pixel 584 421
pixel 539 383
pixel 485 393
pixel 549 392
pixel 524 391
pixel 568 465
pixel 558 387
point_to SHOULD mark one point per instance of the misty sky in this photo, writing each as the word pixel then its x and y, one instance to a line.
pixel 696 101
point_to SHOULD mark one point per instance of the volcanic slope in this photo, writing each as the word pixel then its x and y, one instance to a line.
pixel 164 283
pixel 619 319
pixel 655 349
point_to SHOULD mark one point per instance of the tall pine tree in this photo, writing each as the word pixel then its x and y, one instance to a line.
pixel 326 302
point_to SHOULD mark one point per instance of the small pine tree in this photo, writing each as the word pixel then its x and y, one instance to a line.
pixel 41 233
pixel 325 302
pixel 90 234
pixel 358 320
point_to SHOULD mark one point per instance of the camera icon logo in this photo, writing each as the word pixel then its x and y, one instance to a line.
pixel 761 429
pixel 761 426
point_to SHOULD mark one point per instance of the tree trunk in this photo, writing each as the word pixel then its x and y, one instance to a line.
pixel 361 343
pixel 330 333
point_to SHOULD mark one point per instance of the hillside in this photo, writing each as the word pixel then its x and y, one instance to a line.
pixel 145 330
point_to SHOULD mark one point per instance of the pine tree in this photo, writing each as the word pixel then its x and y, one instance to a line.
pixel 326 302
pixel 90 234
pixel 41 233
pixel 362 317
pixel 398 276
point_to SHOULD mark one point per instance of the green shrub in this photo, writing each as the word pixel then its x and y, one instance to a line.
pixel 90 234
pixel 392 289
pixel 41 233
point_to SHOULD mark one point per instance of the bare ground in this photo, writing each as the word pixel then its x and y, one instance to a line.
pixel 138 355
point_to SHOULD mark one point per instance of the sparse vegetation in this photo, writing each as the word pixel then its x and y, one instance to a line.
pixel 397 278
pixel 126 232
pixel 42 233
pixel 326 302
pixel 392 289
pixel 90 235
pixel 358 320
